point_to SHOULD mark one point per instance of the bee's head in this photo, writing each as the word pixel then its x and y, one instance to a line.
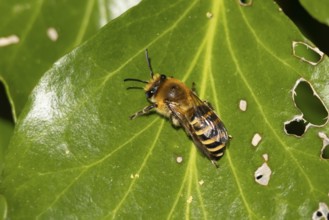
pixel 153 84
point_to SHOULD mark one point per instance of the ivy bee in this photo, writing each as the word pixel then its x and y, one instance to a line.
pixel 173 99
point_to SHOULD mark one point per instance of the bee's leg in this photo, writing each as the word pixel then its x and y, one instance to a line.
pixel 215 163
pixel 193 88
pixel 144 111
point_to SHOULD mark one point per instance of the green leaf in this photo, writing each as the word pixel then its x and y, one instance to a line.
pixel 318 9
pixel 3 207
pixel 75 153
pixel 6 130
pixel 42 32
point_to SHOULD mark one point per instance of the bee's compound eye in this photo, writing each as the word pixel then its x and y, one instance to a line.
pixel 163 76
pixel 150 93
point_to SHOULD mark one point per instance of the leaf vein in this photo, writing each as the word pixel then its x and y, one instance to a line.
pixel 259 106
pixel 129 189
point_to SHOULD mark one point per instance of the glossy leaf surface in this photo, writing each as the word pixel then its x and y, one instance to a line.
pixel 75 153
pixel 43 31
pixel 318 9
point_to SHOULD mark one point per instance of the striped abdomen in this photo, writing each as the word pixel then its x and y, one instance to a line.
pixel 209 131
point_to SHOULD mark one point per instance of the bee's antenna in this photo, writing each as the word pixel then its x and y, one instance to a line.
pixel 134 87
pixel 149 62
pixel 136 80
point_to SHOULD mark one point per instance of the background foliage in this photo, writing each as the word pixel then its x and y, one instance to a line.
pixel 75 154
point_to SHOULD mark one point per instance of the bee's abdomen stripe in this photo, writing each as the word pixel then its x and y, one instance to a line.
pixel 209 130
pixel 213 145
pixel 194 121
pixel 220 154
pixel 216 148
pixel 207 141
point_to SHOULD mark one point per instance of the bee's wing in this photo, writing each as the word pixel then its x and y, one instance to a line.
pixel 202 109
pixel 184 121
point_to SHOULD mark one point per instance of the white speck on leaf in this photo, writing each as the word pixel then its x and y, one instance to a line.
pixel 243 105
pixel 179 159
pixel 6 41
pixel 209 15
pixel 256 139
pixel 189 200
pixel 52 34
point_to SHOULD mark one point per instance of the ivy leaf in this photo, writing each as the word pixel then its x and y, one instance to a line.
pixel 6 130
pixel 75 153
pixel 40 32
pixel 319 10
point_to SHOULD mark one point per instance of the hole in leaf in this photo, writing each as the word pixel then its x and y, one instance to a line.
pixel 318 214
pixel 325 146
pixel 307 100
pixel 325 152
pixel 305 52
pixel 321 213
pixel 296 126
pixel 245 2
pixel 258 177
pixel 314 112
pixel 263 173
pixel 5 110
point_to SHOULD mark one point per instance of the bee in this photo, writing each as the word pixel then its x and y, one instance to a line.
pixel 174 100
